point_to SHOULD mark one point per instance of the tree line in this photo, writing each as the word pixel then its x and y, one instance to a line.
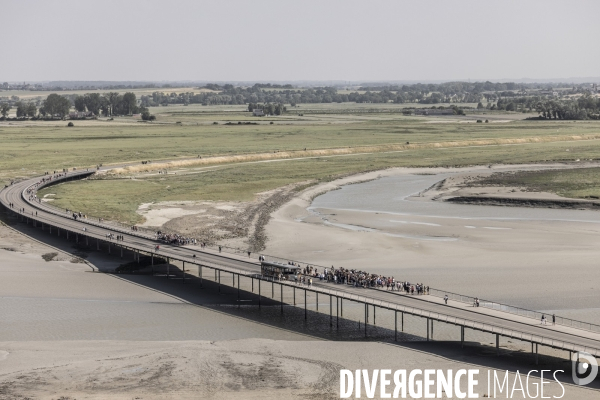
pixel 257 94
pixel 580 108
pixel 585 107
pixel 450 92
pixel 55 105
pixel 107 104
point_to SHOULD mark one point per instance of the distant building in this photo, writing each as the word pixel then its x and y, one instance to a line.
pixel 429 111
pixel 258 112
pixel 81 114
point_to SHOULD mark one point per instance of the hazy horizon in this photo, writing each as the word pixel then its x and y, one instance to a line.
pixel 268 41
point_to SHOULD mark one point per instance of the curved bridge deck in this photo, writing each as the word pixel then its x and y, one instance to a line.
pixel 16 198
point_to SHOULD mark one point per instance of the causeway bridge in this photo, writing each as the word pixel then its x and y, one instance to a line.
pixel 17 199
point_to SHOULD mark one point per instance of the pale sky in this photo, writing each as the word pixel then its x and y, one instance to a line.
pixel 265 40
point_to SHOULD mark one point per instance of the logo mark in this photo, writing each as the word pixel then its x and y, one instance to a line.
pixel 584 368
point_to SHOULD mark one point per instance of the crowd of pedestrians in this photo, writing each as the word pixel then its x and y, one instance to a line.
pixel 357 278
pixel 175 239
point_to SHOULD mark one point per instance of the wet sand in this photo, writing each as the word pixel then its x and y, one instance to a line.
pixel 69 331
pixel 242 369
pixel 533 260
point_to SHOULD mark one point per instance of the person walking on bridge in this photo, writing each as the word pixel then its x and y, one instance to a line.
pixel 446 299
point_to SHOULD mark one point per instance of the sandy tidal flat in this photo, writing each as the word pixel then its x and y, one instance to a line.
pixel 536 259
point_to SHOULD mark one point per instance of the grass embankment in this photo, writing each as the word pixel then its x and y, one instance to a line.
pixel 32 150
pixel 580 183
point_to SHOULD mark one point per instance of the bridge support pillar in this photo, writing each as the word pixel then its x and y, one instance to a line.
pixel 428 329
pixel 273 288
pixel 462 337
pixel 168 270
pixel 183 273
pixel 317 294
pixel 219 281
pixel 200 274
pixel 497 345
pixel 294 295
pixel 395 326
pixel 402 321
pixel 239 294
pixel 342 307
pixel 536 354
pixel 374 316
pixel 431 329
pixel 280 294
pixel 305 313
pixel 337 312
pixel 330 311
pixel 366 317
pixel 259 293
pixel 252 280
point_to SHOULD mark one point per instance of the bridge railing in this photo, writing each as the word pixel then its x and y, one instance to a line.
pixel 569 322
pixel 481 326
pixel 588 326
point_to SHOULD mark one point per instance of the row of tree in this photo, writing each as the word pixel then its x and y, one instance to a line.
pixel 23 109
pixel 56 105
pixel 228 94
pixel 585 107
pixel 108 104
pixel 579 108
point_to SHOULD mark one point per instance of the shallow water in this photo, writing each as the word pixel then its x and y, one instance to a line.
pixel 391 195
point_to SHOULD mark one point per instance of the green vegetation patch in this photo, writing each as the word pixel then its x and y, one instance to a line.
pixel 581 183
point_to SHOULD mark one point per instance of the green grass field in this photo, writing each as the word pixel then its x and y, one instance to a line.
pixel 583 183
pixel 31 150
